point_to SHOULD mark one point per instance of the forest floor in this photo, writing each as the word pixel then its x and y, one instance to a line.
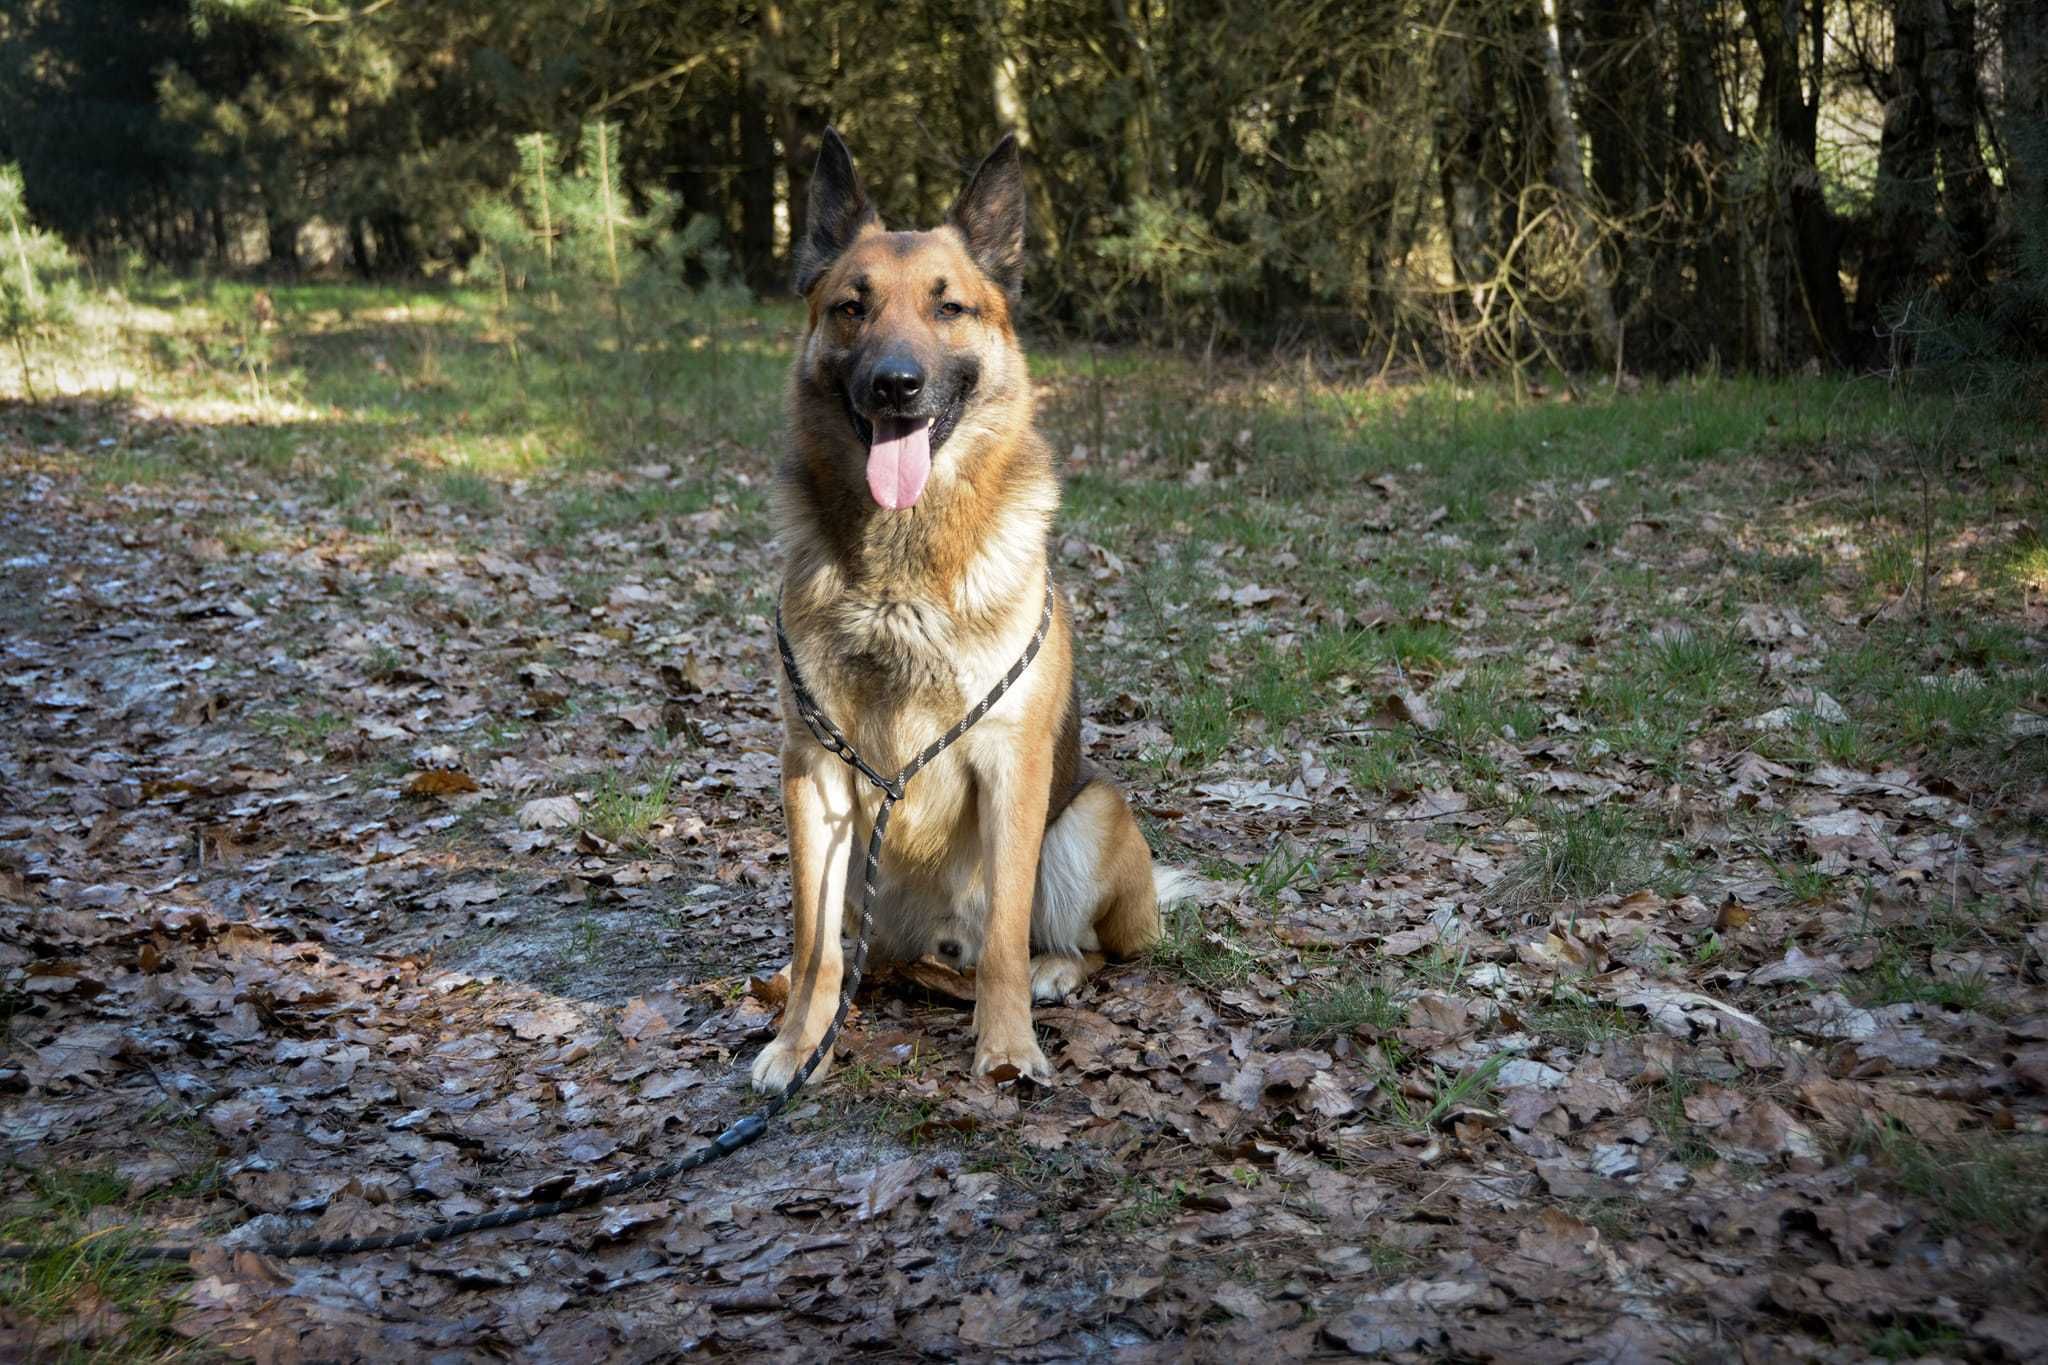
pixel 1621 818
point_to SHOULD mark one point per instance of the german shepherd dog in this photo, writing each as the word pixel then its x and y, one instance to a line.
pixel 914 507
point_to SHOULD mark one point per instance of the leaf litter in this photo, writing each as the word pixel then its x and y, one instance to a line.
pixel 347 892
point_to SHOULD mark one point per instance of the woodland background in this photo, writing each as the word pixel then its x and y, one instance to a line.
pixel 1753 184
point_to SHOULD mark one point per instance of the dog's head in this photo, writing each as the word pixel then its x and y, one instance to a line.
pixel 910 332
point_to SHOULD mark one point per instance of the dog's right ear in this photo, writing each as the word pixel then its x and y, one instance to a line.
pixel 837 211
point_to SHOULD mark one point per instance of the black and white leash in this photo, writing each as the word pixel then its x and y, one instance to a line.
pixel 750 1127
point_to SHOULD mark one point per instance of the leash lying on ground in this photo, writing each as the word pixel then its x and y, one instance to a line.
pixel 746 1129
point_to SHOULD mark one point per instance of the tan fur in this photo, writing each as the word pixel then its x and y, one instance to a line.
pixel 900 621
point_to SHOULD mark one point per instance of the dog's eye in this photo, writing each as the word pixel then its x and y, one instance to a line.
pixel 950 309
pixel 853 310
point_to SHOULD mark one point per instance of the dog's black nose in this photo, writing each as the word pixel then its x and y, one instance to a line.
pixel 949 948
pixel 896 382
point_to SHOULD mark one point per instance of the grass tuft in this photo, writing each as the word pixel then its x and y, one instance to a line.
pixel 1893 980
pixel 1445 1093
pixel 1573 1019
pixel 1347 1008
pixel 1582 853
pixel 1985 1180
pixel 96 1304
pixel 622 814
pixel 1209 957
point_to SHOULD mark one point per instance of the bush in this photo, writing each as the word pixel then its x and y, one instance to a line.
pixel 39 286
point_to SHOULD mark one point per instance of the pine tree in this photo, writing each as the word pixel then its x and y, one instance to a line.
pixel 564 248
pixel 39 286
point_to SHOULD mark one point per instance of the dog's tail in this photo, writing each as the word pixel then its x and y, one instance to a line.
pixel 1173 886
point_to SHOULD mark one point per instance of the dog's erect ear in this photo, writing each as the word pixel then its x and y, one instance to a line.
pixel 838 210
pixel 990 215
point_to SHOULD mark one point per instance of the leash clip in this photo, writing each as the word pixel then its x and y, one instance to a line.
pixel 827 734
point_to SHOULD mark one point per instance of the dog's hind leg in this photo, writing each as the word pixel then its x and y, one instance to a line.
pixel 1123 913
pixel 1127 918
pixel 1095 892
pixel 818 800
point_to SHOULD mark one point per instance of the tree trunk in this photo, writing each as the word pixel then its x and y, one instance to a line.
pixel 1902 211
pixel 755 148
pixel 1805 239
pixel 2024 61
pixel 282 234
pixel 1703 150
pixel 1463 123
pixel 396 253
pixel 359 246
pixel 1969 201
pixel 1012 106
pixel 1141 93
pixel 1620 106
pixel 1571 186
pixel 799 127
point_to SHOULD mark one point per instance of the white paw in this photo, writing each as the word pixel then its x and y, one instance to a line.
pixel 779 1061
pixel 1055 976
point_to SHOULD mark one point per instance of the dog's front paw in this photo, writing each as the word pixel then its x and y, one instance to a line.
pixel 1023 1054
pixel 781 1060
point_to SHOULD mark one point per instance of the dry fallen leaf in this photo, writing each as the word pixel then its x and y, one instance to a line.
pixel 441 782
pixel 550 812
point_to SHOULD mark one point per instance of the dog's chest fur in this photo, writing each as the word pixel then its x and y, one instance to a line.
pixel 898 648
pixel 896 658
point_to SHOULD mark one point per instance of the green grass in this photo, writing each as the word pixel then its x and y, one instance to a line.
pixel 1943 692
pixel 1698 664
pixel 1893 979
pixel 72 1273
pixel 2023 569
pixel 1143 1204
pixel 1802 883
pixel 1970 1182
pixel 1491 703
pixel 647 506
pixel 1286 864
pixel 1445 1093
pixel 622 813
pixel 1667 1112
pixel 1414 644
pixel 1953 713
pixel 1199 719
pixel 1349 1007
pixel 1209 957
pixel 1567 1017
pixel 1384 765
pixel 298 728
pixel 469 492
pixel 1914 1338
pixel 1435 968
pixel 1582 853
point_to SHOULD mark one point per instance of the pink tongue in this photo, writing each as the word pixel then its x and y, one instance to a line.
pixel 899 461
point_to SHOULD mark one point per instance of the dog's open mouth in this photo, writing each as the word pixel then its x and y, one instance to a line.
pixel 900 450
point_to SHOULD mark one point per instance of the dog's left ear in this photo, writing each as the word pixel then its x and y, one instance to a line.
pixel 990 215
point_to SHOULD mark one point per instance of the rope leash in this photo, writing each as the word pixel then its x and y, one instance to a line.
pixel 751 1126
